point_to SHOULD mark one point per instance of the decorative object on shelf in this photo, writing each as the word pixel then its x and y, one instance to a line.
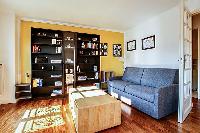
pixel 58 83
pixel 69 46
pixel 90 78
pixel 94 39
pixel 95 68
pixel 41 34
pixel 68 38
pixel 97 53
pixel 37 82
pixel 56 76
pixel 103 49
pixel 52 68
pixel 117 50
pixel 94 45
pixel 131 45
pixel 82 78
pixel 53 41
pixel 69 61
pixel 148 42
pixel 89 45
pixel 56 92
pixel 78 68
pixel 42 67
pixel 56 61
pixel 86 60
pixel 96 75
pixel 69 71
pixel 59 42
pixel 36 49
pixel 83 45
pixel 93 52
pixel 41 59
pixel 56 35
pixel 81 52
pixel 69 78
pixel 58 50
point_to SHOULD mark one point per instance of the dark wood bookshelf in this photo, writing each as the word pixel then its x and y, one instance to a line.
pixel 49 46
pixel 70 51
pixel 46 46
pixel 88 59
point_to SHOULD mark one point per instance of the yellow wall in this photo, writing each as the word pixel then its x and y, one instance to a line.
pixel 107 62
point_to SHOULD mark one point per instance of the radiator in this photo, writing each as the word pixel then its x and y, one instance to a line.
pixel 1 79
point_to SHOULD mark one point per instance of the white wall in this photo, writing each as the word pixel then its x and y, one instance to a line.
pixel 193 5
pixel 166 28
pixel 7 54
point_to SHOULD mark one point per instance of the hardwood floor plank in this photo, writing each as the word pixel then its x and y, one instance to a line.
pixel 56 111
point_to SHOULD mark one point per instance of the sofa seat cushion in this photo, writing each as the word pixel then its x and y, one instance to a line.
pixel 118 84
pixel 133 74
pixel 143 92
pixel 158 77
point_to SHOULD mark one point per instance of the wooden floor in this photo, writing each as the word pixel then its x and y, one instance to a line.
pixel 13 116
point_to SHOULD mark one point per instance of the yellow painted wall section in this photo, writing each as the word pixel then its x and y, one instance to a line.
pixel 108 63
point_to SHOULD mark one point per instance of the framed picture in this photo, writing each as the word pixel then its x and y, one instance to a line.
pixel 131 45
pixel 103 49
pixel 117 50
pixel 148 43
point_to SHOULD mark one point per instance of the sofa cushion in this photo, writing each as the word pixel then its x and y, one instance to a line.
pixel 118 84
pixel 157 77
pixel 143 92
pixel 133 74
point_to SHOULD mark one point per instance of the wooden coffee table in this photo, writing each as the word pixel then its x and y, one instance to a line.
pixel 93 110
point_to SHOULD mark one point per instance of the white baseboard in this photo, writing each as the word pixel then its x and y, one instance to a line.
pixel 7 101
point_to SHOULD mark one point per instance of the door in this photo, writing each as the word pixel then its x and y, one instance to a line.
pixel 185 70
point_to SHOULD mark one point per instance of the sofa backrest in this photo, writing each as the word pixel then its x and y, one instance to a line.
pixel 158 77
pixel 133 75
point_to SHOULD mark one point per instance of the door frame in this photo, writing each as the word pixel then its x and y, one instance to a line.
pixel 198 61
pixel 198 91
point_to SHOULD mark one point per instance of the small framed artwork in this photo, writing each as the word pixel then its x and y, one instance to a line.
pixel 131 45
pixel 103 49
pixel 148 43
pixel 117 50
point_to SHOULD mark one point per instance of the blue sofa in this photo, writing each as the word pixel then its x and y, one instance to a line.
pixel 153 91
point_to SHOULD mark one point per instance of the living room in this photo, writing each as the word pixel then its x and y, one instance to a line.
pixel 109 66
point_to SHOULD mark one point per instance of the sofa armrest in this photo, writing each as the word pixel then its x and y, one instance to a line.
pixel 166 100
pixel 115 78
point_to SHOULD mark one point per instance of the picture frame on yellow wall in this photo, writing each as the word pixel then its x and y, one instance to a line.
pixel 103 49
pixel 117 50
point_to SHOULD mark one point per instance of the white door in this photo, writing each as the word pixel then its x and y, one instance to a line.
pixel 185 80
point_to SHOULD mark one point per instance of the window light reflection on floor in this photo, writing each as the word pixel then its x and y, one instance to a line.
pixel 41 118
pixel 41 111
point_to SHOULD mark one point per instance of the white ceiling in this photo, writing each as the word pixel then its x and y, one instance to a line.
pixel 118 15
